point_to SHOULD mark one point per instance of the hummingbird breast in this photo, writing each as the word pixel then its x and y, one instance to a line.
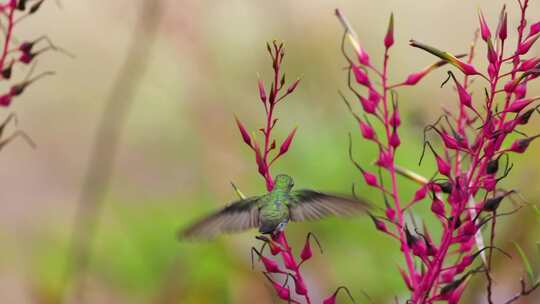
pixel 273 213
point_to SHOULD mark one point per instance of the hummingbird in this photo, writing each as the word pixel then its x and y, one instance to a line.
pixel 271 212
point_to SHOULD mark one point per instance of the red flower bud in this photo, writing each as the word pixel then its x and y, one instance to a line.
pixel 306 251
pixel 420 194
pixel 299 285
pixel 367 105
pixel 243 132
pixel 448 275
pixel 287 142
pixel 293 86
pixel 389 38
pixel 366 130
pixel 406 278
pixel 282 291
pixel 370 178
pixel 484 29
pixel 437 207
pixel 526 45
pixel 394 140
pixel 361 76
pixel 395 120
pixel 534 29
pixel 288 261
pixel 503 27
pixel 5 100
pixel 390 214
pixel 528 64
pixel 262 92
pixel 443 166
pixel 519 105
pixel 521 145
pixel 332 299
pixel 385 159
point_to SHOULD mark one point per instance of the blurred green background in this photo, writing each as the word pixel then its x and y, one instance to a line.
pixel 181 148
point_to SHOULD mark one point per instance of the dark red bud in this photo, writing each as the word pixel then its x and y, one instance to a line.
pixel 370 178
pixel 484 29
pixel 293 86
pixel 437 207
pixel 243 132
pixel 366 130
pixel 361 76
pixel 287 142
pixel 526 45
pixel 534 29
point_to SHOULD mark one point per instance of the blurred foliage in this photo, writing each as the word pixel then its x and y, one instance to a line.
pixel 181 149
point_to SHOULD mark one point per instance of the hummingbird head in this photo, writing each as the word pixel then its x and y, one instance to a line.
pixel 284 182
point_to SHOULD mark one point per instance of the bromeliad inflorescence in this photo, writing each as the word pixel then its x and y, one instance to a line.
pixel 464 194
pixel 270 212
pixel 14 53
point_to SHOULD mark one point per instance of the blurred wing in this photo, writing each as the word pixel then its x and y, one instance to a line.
pixel 312 205
pixel 239 215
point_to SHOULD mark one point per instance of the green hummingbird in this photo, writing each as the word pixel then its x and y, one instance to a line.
pixel 272 211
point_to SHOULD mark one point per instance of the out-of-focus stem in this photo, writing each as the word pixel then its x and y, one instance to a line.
pixel 108 135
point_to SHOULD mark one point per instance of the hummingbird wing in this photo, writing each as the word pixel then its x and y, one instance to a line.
pixel 237 216
pixel 314 205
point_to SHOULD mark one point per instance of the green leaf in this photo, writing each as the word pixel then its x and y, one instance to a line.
pixel 526 263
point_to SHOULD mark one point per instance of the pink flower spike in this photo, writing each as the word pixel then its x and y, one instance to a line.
pixel 287 142
pixel 245 135
pixel 262 92
pixel 389 38
pixel 526 45
pixel 361 76
pixel 484 29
